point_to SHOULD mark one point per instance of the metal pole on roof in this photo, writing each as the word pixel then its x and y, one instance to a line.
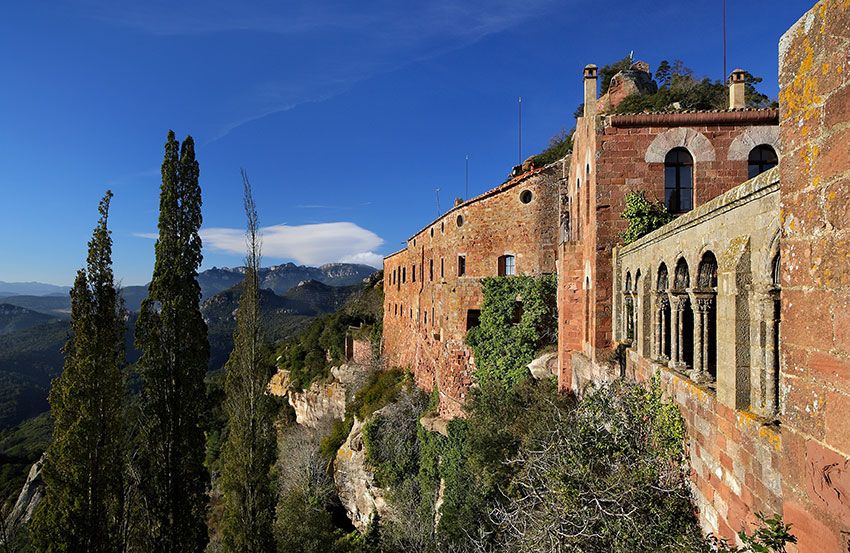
pixel 466 188
pixel 725 75
pixel 519 162
pixel 437 192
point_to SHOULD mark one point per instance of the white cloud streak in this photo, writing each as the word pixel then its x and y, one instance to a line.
pixel 313 244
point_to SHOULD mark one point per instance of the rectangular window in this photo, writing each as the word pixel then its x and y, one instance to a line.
pixel 461 265
pixel 413 273
pixel 442 267
pixel 473 317
pixel 403 275
pixel 507 265
pixel 431 269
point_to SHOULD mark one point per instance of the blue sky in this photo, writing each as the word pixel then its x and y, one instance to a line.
pixel 346 115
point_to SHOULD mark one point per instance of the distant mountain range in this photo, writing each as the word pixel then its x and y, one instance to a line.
pixel 31 289
pixel 55 301
pixel 33 328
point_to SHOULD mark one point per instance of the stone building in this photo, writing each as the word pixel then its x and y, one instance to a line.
pixel 432 290
pixel 740 306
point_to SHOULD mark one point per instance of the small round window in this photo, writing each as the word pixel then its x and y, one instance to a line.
pixel 525 196
pixel 460 220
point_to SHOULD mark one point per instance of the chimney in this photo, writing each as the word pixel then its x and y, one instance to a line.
pixel 736 89
pixel 589 90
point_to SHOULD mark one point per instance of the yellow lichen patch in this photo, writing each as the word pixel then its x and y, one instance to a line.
pixel 824 68
pixel 771 436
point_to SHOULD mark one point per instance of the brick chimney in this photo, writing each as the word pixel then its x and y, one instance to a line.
pixel 590 90
pixel 736 89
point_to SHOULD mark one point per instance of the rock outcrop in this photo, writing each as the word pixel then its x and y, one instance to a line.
pixel 544 366
pixel 355 481
pixel 29 498
pixel 637 79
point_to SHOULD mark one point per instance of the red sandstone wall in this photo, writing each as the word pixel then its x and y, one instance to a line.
pixel 361 352
pixel 814 79
pixel 735 459
pixel 494 224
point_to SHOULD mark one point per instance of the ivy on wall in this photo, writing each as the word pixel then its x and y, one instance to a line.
pixel 518 318
pixel 643 216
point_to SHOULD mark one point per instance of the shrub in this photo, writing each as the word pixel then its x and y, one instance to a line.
pixel 560 145
pixel 518 318
pixel 390 437
pixel 381 389
pixel 643 216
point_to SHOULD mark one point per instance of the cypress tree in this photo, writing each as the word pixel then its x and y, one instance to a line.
pixel 84 471
pixel 249 451
pixel 172 337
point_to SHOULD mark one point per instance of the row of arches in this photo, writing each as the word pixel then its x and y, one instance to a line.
pixel 676 317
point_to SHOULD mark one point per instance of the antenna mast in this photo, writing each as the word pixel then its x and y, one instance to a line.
pixel 466 188
pixel 437 192
pixel 725 75
pixel 519 161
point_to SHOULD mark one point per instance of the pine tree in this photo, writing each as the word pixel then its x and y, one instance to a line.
pixel 172 336
pixel 249 451
pixel 84 470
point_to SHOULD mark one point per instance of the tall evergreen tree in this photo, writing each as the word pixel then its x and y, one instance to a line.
pixel 172 336
pixel 84 469
pixel 249 451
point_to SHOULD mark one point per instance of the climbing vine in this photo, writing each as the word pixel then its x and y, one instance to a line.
pixel 643 216
pixel 518 318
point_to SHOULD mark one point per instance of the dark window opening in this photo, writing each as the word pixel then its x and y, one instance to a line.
pixel 525 196
pixel 473 318
pixel 679 181
pixel 516 315
pixel 431 269
pixel 461 265
pixel 403 275
pixel 460 220
pixel 432 233
pixel 413 273
pixel 442 267
pixel 507 265
pixel 761 159
pixel 443 227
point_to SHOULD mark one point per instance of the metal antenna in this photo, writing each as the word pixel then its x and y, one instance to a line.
pixel 725 75
pixel 437 191
pixel 466 189
pixel 519 162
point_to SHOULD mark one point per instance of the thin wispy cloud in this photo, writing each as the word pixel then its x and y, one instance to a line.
pixel 312 244
pixel 351 42
pixel 147 235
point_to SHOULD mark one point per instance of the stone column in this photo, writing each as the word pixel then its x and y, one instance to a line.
pixel 677 307
pixel 768 299
pixel 702 307
pixel 659 341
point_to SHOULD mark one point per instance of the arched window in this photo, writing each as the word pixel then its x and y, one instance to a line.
pixel 683 318
pixel 578 208
pixel 705 336
pixel 679 181
pixel 761 159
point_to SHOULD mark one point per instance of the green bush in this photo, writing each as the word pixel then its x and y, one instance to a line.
pixel 518 318
pixel 330 444
pixel 560 145
pixel 381 389
pixel 643 216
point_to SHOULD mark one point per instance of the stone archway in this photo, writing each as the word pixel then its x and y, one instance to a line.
pixel 680 137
